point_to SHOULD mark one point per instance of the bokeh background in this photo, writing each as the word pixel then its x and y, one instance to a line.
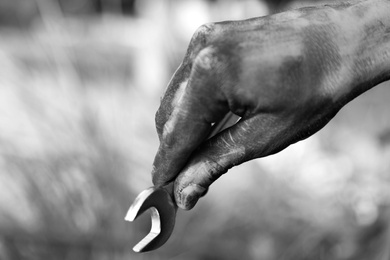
pixel 80 81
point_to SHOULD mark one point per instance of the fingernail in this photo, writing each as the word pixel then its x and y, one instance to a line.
pixel 190 195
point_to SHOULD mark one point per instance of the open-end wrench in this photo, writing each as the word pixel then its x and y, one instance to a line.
pixel 161 202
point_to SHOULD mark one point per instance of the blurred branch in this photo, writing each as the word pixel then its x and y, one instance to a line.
pixel 50 8
pixel 53 19
pixel 112 6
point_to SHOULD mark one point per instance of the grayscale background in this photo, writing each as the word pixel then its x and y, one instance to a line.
pixel 80 81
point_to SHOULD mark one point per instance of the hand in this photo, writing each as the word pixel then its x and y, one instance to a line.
pixel 286 75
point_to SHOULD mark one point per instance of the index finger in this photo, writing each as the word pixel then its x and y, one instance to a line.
pixel 192 103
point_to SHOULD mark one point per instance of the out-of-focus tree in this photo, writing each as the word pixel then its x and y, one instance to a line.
pixel 22 13
pixel 126 7
pixel 19 13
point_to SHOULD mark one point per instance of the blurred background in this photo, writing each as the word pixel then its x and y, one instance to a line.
pixel 80 81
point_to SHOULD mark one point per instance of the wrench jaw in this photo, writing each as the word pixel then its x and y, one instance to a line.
pixel 137 208
pixel 163 215
pixel 146 244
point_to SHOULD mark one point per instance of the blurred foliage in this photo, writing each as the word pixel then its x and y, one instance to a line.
pixel 77 103
pixel 17 12
pixel 22 13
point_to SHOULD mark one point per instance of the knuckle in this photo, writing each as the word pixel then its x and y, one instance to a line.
pixel 204 32
pixel 202 37
pixel 206 58
pixel 169 139
pixel 159 122
pixel 168 136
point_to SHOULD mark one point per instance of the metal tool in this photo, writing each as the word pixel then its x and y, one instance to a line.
pixel 163 212
pixel 162 204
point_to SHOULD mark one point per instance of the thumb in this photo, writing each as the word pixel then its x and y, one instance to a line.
pixel 246 140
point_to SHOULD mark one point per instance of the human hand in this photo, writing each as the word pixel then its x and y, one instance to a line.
pixel 285 75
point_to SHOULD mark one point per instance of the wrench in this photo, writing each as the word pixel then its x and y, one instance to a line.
pixel 162 205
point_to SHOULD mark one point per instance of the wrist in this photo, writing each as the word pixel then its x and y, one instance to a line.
pixel 365 26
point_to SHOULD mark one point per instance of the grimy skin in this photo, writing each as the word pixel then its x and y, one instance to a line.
pixel 286 75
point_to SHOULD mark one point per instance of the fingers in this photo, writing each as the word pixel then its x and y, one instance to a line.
pixel 182 75
pixel 248 139
pixel 192 103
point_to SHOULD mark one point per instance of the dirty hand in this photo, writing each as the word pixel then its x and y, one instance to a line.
pixel 286 75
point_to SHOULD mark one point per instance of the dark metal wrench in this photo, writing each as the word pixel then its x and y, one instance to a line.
pixel 161 202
